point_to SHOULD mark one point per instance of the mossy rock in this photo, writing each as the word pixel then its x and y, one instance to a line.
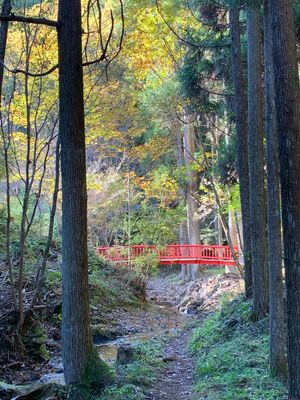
pixel 101 334
pixel 7 391
pixel 32 392
pixel 45 392
pixel 34 338
pixel 126 354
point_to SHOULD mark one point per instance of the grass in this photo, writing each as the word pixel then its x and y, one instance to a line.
pixel 126 392
pixel 232 357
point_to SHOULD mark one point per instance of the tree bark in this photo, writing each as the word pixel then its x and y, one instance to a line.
pixel 40 279
pixel 215 153
pixel 183 230
pixel 232 231
pixel 288 121
pixel 218 228
pixel 6 10
pixel 192 223
pixel 82 367
pixel 256 166
pixel 242 142
pixel 223 219
pixel 26 196
pixel 278 363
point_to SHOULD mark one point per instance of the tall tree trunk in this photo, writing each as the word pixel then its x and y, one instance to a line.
pixel 26 197
pixel 288 121
pixel 256 166
pixel 81 363
pixel 218 234
pixel 242 141
pixel 278 363
pixel 6 10
pixel 183 230
pixel 40 278
pixel 192 223
pixel 223 219
pixel 185 272
pixel 218 228
pixel 232 226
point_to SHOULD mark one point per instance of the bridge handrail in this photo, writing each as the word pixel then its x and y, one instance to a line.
pixel 172 251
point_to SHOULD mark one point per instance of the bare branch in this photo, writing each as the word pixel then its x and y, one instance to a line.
pixel 104 52
pixel 44 21
pixel 103 55
pixel 30 20
pixel 121 38
pixel 28 73
pixel 100 25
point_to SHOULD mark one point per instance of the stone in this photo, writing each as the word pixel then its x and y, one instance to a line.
pixel 34 391
pixel 7 390
pixel 169 358
pixel 204 295
pixel 126 354
pixel 101 334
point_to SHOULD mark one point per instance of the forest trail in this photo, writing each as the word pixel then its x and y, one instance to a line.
pixel 176 379
pixel 175 382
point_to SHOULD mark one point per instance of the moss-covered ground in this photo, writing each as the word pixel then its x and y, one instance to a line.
pixel 232 356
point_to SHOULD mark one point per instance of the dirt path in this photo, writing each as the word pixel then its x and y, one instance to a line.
pixel 176 380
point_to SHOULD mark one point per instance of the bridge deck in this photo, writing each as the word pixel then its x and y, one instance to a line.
pixel 173 254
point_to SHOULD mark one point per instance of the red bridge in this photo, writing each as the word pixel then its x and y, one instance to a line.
pixel 173 254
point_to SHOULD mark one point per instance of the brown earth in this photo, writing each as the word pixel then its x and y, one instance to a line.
pixel 176 378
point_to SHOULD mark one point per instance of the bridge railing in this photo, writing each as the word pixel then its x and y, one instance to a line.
pixel 122 253
pixel 172 254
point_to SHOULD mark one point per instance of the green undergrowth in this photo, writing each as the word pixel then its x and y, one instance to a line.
pixel 135 378
pixel 110 286
pixel 232 356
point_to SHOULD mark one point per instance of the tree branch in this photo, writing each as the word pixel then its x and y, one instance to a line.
pixel 44 21
pixel 30 20
pixel 103 55
pixel 28 73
